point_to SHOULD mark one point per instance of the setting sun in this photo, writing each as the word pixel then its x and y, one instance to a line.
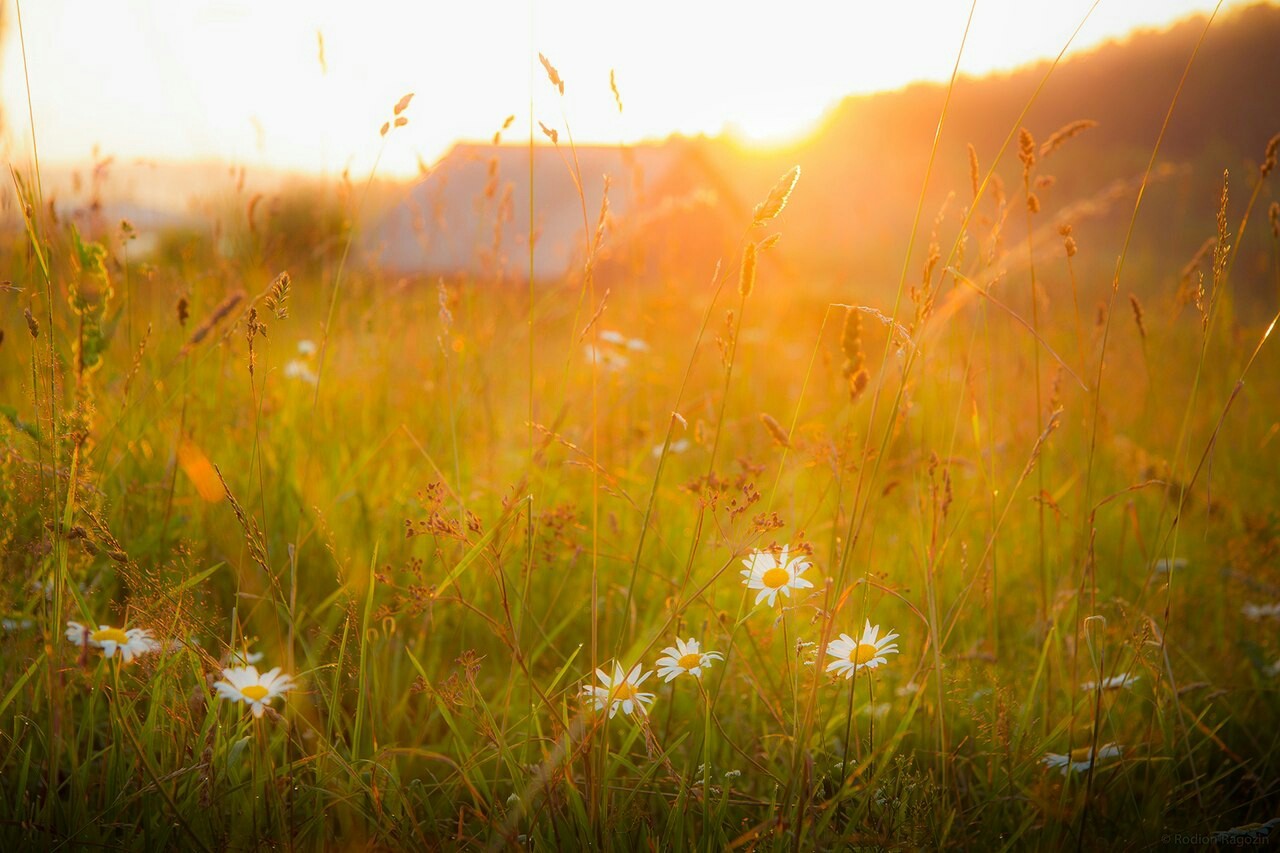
pixel 305 85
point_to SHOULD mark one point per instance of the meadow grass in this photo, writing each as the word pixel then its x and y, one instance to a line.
pixel 441 507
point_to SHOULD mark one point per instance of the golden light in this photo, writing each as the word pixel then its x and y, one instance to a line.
pixel 305 85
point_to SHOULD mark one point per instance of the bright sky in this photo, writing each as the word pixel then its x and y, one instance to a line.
pixel 242 80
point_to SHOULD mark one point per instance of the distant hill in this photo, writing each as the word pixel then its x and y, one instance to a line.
pixel 850 217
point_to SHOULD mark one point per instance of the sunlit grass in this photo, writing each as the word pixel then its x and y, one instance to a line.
pixel 401 564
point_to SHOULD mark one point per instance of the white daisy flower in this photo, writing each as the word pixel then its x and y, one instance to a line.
pixel 130 643
pixel 867 652
pixel 1261 611
pixel 685 657
pixel 677 446
pixel 606 357
pixel 1079 759
pixel 300 370
pixel 772 573
pixel 616 338
pixel 244 684
pixel 1124 679
pixel 620 691
pixel 306 347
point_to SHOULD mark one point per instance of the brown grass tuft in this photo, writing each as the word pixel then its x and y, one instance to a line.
pixel 1062 134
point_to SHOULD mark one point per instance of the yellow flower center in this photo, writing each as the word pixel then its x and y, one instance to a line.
pixel 863 652
pixel 254 692
pixel 776 578
pixel 1082 753
pixel 114 635
pixel 690 661
pixel 625 690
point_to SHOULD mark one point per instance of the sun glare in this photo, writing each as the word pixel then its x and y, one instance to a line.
pixel 306 85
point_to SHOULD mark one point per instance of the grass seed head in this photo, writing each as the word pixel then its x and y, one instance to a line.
pixel 1269 156
pixel 747 275
pixel 775 429
pixel 1138 315
pixel 973 169
pixel 768 209
pixel 1026 151
pixel 1062 134
pixel 552 74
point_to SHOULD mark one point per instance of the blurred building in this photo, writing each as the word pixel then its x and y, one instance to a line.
pixel 669 207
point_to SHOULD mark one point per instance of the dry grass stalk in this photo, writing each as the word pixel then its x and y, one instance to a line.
pixel 1194 263
pixel 1273 214
pixel 775 429
pixel 552 74
pixel 1026 151
pixel 252 534
pixel 1221 250
pixel 973 169
pixel 219 314
pixel 1062 134
pixel 854 368
pixel 253 328
pixel 497 134
pixel 1138 315
pixel 277 298
pixel 1068 240
pixel 137 360
pixel 1269 157
pixel 777 200
pixel 613 87
pixel 747 275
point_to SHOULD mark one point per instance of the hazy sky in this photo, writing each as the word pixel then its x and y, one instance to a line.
pixel 243 79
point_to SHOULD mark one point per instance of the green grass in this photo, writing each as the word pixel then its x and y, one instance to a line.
pixel 444 537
